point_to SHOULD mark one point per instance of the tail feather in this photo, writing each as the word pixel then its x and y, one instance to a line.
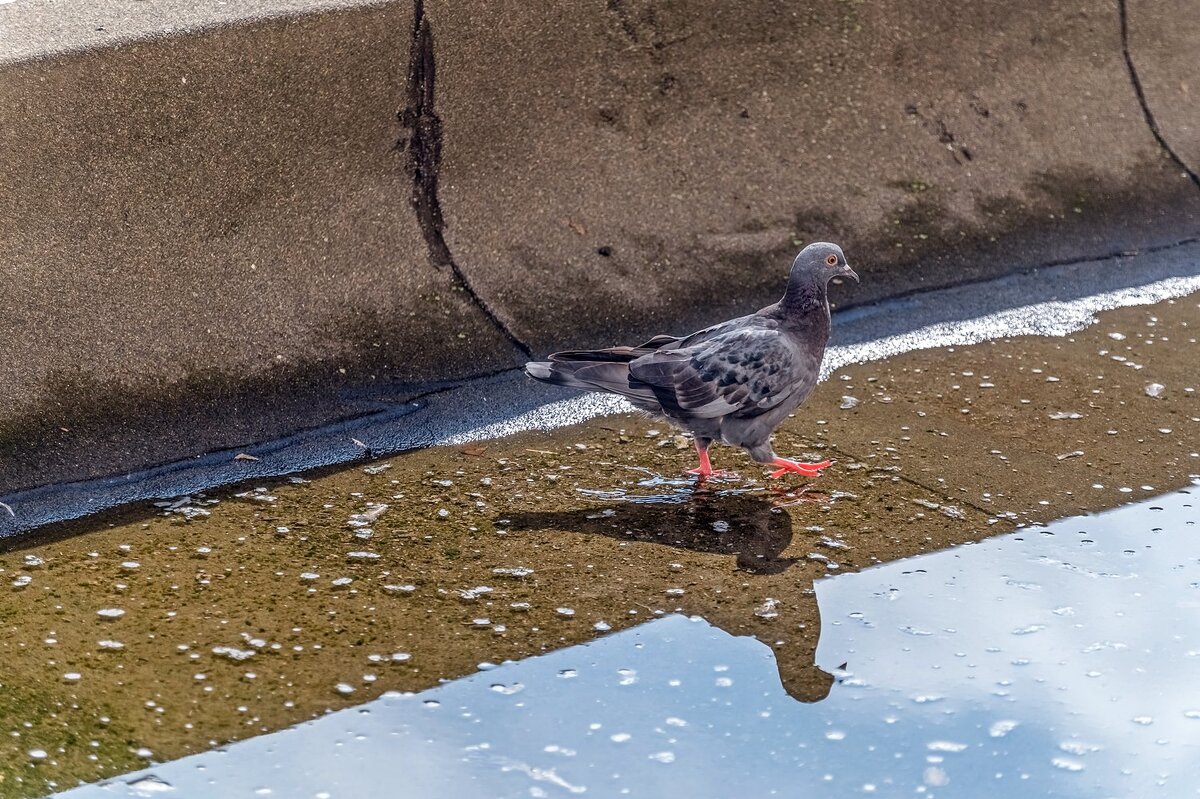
pixel 591 372
pixel 611 355
pixel 616 354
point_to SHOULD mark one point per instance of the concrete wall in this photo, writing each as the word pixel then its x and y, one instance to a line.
pixel 247 224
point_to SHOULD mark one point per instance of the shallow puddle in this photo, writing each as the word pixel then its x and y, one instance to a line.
pixel 1057 661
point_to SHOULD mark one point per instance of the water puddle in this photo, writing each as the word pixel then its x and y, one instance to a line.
pixel 1058 661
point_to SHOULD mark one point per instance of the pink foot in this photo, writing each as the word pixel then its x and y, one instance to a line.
pixel 705 469
pixel 806 469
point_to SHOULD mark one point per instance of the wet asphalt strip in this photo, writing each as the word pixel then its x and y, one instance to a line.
pixel 1055 661
pixel 1057 300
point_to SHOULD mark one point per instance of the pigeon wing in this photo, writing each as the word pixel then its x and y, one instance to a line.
pixel 744 372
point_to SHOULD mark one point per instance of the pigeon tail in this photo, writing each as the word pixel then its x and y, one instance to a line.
pixel 590 373
pixel 580 374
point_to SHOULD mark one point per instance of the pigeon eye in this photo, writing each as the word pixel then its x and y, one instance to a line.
pixel 831 260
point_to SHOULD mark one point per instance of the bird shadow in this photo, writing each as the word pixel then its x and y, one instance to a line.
pixel 749 526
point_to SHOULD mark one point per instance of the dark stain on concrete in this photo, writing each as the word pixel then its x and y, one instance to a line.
pixel 923 243
pixel 209 409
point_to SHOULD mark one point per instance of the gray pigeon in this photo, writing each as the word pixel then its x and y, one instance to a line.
pixel 732 382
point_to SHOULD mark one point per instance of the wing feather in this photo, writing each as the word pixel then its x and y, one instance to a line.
pixel 738 370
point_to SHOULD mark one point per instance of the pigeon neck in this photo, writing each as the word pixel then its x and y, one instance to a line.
pixel 803 295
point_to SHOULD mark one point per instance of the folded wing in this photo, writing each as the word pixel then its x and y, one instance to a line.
pixel 740 372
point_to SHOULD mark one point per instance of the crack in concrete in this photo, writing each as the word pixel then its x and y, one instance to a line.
pixel 1123 11
pixel 422 148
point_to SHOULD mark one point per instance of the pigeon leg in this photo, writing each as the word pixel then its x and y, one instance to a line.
pixel 705 469
pixel 806 469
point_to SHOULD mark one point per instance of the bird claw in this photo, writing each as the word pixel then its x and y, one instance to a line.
pixel 806 469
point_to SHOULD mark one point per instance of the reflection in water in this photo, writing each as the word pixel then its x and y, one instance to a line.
pixel 1055 662
pixel 750 525
pixel 746 525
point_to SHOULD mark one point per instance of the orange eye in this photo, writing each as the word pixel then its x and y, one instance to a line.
pixel 831 260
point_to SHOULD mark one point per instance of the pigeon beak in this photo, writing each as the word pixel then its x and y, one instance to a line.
pixel 848 272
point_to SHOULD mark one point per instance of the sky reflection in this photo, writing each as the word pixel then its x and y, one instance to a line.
pixel 1063 659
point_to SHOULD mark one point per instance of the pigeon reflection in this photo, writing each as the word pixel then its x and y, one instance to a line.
pixel 747 526
pixel 751 527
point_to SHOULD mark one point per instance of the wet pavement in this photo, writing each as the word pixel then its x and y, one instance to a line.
pixel 167 631
pixel 1059 661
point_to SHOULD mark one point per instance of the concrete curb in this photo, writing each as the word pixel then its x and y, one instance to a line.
pixel 217 229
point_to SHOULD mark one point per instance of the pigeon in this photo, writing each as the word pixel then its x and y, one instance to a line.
pixel 734 382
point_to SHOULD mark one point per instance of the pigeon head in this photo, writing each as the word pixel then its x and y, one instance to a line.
pixel 819 262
